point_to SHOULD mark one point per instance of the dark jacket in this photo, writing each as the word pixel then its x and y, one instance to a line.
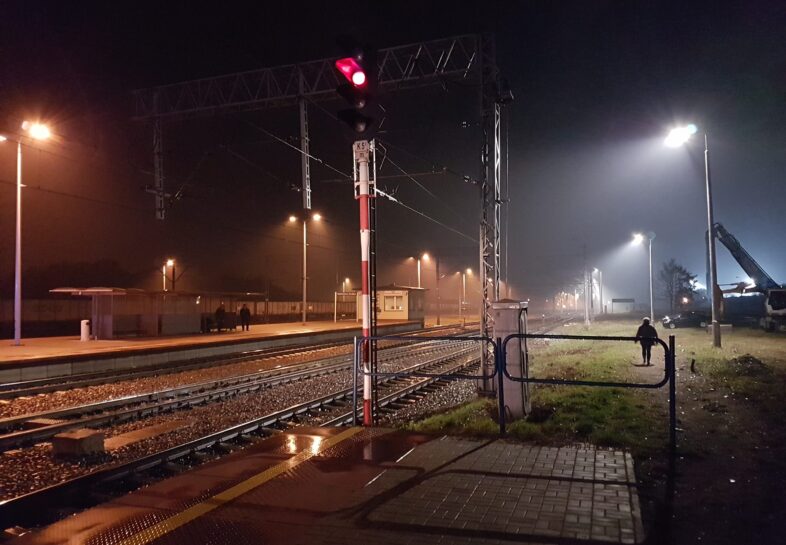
pixel 245 313
pixel 646 334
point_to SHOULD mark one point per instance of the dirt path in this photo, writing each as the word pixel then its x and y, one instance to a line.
pixel 731 465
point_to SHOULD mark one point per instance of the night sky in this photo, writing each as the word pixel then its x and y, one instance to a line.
pixel 597 85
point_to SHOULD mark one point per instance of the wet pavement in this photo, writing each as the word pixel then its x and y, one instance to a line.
pixel 346 485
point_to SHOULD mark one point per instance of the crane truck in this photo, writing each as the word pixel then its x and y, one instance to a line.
pixel 774 316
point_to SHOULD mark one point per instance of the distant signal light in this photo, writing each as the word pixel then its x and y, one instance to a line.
pixel 351 70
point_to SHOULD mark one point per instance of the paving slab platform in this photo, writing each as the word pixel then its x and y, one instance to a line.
pixel 375 486
pixel 63 356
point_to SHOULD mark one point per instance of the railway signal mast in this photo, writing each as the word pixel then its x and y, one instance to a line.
pixel 464 59
pixel 359 70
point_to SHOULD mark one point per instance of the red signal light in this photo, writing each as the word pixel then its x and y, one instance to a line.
pixel 351 70
pixel 359 78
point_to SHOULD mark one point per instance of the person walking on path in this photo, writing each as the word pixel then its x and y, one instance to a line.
pixel 646 335
pixel 220 316
pixel 245 318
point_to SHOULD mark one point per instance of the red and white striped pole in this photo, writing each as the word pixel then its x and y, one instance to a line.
pixel 361 152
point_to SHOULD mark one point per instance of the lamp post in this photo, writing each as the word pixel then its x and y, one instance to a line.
pixel 423 257
pixel 36 131
pixel 600 287
pixel 676 138
pixel 170 263
pixel 468 271
pixel 638 238
pixel 293 219
pixel 344 285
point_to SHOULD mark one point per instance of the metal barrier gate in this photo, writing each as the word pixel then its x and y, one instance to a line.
pixel 669 375
pixel 499 349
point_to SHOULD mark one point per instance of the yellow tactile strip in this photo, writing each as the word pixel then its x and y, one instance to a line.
pixel 184 517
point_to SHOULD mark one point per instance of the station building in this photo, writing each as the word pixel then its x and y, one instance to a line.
pixel 399 303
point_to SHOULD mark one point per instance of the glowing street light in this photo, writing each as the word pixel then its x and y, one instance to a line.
pixel 423 257
pixel 292 219
pixel 678 137
pixel 36 131
pixel 170 263
pixel 638 238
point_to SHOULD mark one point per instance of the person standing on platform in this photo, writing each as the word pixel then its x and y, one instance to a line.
pixel 245 318
pixel 221 314
pixel 646 335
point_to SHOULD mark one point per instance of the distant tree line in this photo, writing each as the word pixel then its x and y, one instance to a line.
pixel 677 282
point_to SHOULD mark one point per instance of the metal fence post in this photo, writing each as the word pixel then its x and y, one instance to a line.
pixel 354 381
pixel 499 362
pixel 672 394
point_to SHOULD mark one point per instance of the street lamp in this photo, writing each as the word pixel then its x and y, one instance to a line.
pixel 293 219
pixel 464 286
pixel 600 288
pixel 676 138
pixel 424 257
pixel 36 131
pixel 170 263
pixel 344 285
pixel 638 238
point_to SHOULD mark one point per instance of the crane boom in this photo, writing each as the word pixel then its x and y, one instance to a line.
pixel 763 281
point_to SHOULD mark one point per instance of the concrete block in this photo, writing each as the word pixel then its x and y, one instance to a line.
pixel 77 443
pixel 10 375
pixel 33 372
pixel 58 370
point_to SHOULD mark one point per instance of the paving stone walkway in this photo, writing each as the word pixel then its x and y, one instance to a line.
pixel 462 491
pixel 312 486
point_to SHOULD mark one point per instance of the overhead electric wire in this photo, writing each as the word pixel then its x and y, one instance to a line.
pixel 251 163
pixel 407 175
pixel 426 216
pixel 79 197
pixel 421 186
pixel 313 157
pixel 463 177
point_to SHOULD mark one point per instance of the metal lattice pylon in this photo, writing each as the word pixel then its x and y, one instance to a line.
pixel 469 57
pixel 490 196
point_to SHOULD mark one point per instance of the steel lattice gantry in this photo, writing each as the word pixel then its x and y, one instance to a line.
pixel 468 57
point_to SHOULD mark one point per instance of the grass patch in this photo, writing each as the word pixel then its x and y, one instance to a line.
pixel 611 417
pixel 473 419
pixel 602 416
pixel 751 363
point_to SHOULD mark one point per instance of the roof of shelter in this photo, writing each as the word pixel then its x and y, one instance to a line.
pixel 111 291
pixel 400 288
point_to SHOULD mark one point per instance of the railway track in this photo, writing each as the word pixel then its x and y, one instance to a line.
pixel 32 428
pixel 52 502
pixel 42 505
pixel 36 387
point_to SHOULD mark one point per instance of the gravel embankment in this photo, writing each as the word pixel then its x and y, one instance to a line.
pixel 29 469
pixel 104 392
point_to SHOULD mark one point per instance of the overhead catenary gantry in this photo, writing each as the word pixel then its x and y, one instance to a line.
pixel 470 57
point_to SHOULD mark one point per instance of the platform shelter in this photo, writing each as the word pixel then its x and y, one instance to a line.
pixel 128 312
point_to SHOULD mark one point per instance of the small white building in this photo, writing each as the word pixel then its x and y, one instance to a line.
pixel 623 306
pixel 399 303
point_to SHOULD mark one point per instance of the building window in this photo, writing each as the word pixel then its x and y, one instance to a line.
pixel 394 302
